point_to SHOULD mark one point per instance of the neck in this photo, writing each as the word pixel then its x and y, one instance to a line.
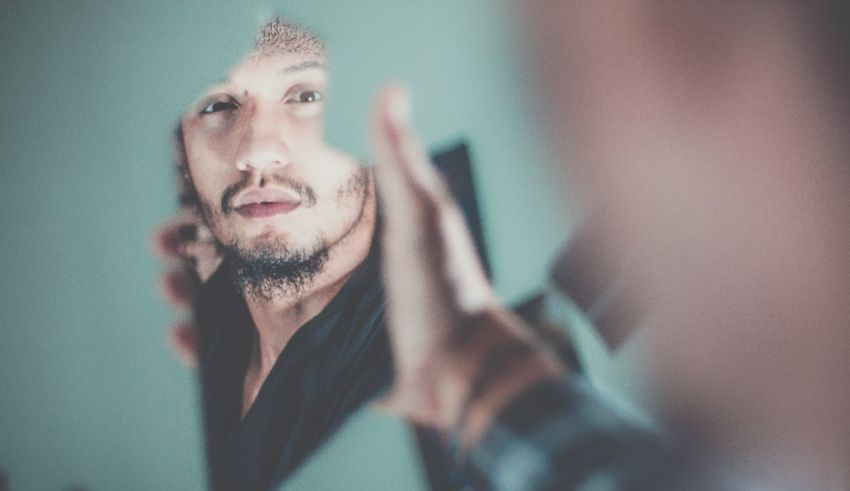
pixel 277 320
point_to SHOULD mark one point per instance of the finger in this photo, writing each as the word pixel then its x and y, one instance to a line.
pixel 170 238
pixel 207 262
pixel 410 184
pixel 183 338
pixel 463 268
pixel 417 406
pixel 420 302
pixel 187 239
pixel 177 288
pixel 424 222
pixel 397 403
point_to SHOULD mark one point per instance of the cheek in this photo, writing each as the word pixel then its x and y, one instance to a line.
pixel 304 136
pixel 207 183
pixel 339 201
pixel 209 166
pixel 331 181
pixel 330 171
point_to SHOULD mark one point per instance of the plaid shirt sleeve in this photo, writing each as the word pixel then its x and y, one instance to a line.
pixel 561 435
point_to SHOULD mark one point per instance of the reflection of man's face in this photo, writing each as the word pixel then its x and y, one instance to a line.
pixel 267 182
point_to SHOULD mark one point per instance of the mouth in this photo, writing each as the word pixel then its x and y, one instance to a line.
pixel 266 209
pixel 260 204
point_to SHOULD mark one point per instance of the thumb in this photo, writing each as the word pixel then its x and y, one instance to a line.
pixel 420 213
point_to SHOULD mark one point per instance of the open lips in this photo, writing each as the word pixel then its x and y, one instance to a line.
pixel 266 203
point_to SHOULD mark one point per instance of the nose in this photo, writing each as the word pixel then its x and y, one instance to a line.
pixel 264 143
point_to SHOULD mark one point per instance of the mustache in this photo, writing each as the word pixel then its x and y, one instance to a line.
pixel 304 191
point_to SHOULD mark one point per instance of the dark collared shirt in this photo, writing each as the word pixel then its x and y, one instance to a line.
pixel 333 365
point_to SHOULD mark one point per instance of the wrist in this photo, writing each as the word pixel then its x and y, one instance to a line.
pixel 490 362
pixel 481 409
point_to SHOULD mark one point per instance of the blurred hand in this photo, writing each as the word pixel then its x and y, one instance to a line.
pixel 444 318
pixel 190 255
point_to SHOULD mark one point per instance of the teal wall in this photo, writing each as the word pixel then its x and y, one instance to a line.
pixel 89 393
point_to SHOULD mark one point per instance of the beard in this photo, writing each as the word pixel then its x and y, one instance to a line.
pixel 274 270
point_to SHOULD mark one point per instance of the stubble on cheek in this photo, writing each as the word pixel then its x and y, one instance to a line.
pixel 352 197
pixel 356 186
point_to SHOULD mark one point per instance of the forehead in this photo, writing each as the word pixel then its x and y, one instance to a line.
pixel 264 67
pixel 266 73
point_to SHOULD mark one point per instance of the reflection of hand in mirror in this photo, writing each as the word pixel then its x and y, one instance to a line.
pixel 189 254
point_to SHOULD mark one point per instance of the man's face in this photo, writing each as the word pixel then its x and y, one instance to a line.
pixel 256 156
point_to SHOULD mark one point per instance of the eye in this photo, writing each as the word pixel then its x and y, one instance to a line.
pixel 305 97
pixel 218 106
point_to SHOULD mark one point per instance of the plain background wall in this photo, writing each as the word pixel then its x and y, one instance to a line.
pixel 90 394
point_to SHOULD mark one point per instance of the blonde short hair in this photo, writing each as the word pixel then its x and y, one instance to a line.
pixel 279 35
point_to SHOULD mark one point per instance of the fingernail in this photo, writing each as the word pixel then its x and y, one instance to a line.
pixel 400 106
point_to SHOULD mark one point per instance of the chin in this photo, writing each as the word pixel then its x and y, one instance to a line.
pixel 270 240
pixel 283 241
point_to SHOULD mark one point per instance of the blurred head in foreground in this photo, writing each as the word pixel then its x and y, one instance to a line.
pixel 709 144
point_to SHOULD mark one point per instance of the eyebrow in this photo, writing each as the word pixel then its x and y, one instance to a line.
pixel 288 70
pixel 300 67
